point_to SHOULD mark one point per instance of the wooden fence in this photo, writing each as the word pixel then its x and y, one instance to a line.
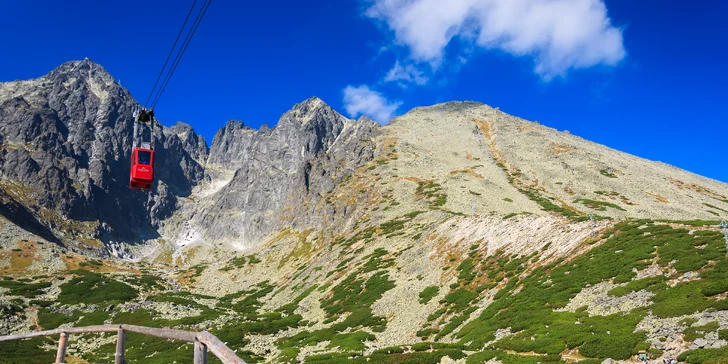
pixel 203 341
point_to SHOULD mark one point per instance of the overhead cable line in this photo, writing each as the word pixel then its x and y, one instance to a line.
pixel 170 52
pixel 182 50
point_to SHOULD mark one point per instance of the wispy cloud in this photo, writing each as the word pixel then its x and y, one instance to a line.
pixel 560 35
pixel 408 73
pixel 361 100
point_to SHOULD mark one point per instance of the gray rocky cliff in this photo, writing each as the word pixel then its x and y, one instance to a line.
pixel 231 146
pixel 64 160
pixel 66 141
pixel 281 173
pixel 195 145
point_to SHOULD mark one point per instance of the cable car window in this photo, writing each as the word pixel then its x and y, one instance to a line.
pixel 144 157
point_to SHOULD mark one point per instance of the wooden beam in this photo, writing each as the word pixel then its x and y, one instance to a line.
pixel 120 340
pixel 68 330
pixel 200 353
pixel 168 334
pixel 219 348
pixel 204 341
pixel 62 347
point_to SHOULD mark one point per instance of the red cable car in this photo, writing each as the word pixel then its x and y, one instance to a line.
pixel 142 168
pixel 141 174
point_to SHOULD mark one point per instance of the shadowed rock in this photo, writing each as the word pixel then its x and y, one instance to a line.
pixel 66 138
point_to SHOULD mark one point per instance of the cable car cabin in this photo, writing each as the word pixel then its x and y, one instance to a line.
pixel 142 168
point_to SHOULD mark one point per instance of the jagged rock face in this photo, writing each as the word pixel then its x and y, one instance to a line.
pixel 281 172
pixel 66 140
pixel 195 145
pixel 231 145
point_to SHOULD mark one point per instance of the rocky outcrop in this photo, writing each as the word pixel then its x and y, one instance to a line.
pixel 66 141
pixel 281 172
pixel 66 138
pixel 232 144
pixel 195 145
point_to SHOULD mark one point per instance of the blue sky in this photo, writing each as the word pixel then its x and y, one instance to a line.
pixel 646 77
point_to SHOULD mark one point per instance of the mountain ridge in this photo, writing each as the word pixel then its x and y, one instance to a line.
pixel 454 234
pixel 310 128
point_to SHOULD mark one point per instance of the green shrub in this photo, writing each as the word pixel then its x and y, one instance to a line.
pixel 389 350
pixel 607 173
pixel 454 323
pixel 89 288
pixel 610 346
pixel 459 299
pixel 354 293
pixel 425 333
pixel 598 205
pixel 50 320
pixel 546 203
pixel 143 349
pixel 27 351
pixel 506 358
pixel 683 299
pixel 705 356
pixel 28 290
pixel 692 333
pixel 428 293
pixel 378 357
pixel 466 270
pixel 424 346
pixel 41 303
pixel 640 284
pixel 413 214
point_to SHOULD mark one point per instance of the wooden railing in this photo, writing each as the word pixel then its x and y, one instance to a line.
pixel 203 341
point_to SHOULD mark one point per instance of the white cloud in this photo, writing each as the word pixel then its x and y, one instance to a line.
pixel 559 34
pixel 361 100
pixel 408 73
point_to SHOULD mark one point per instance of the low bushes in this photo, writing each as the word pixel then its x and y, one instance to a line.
pixel 90 288
pixel 428 294
pixel 27 351
pixel 705 356
pixel 28 290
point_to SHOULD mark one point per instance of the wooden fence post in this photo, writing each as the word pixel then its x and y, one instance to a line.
pixel 62 346
pixel 120 340
pixel 200 353
pixel 203 341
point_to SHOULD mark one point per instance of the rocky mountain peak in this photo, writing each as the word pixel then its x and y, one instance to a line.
pixel 309 105
pixel 181 127
pixel 230 129
pixel 85 74
pixel 67 141
pixel 80 67
pixel 229 146
pixel 233 125
pixel 365 120
pixel 450 107
pixel 194 144
pixel 312 109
